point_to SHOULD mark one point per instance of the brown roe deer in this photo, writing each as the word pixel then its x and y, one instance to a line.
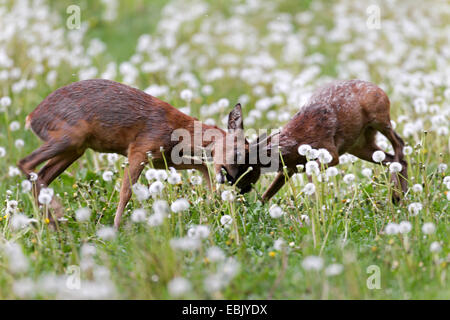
pixel 341 117
pixel 107 116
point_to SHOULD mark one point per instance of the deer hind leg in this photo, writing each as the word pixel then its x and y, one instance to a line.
pixel 52 169
pixel 365 151
pixel 136 163
pixel 277 184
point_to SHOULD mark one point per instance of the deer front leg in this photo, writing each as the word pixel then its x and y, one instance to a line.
pixel 276 185
pixel 131 175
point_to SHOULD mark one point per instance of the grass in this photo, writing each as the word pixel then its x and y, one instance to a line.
pixel 347 222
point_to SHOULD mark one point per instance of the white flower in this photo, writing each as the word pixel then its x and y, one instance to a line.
pixel 13 171
pixel 442 167
pixel 324 156
pixel 312 263
pixel 2 152
pixel 407 150
pixel 378 156
pixel 228 195
pixel 196 180
pixel 332 172
pixel 174 178
pixel 435 247
pixel 349 178
pixel 305 218
pixel 312 154
pixel 279 244
pixel 214 283
pixel 312 168
pixel 45 195
pixel 19 143
pixel 83 214
pixel 106 233
pixel 334 269
pixel 215 254
pixel 303 149
pixel 392 228
pixel 367 172
pixel 26 186
pixel 199 232
pixel 161 175
pixel 404 227
pixel 33 176
pixel 417 188
pixel 150 174
pixel 179 205
pixel 14 126
pixel 139 215
pixel 414 208
pixel 275 211
pixel 107 175
pixel 226 220
pixel 223 103
pixel 179 286
pixel 156 187
pixel 309 189
pixel 5 101
pixel 428 228
pixel 186 95
pixel 19 221
pixel 185 243
pixel 229 269
pixel 156 219
pixel 395 167
pixel 141 192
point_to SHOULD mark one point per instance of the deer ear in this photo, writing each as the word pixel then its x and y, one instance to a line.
pixel 235 120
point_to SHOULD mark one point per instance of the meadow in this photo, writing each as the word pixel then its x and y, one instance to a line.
pixel 344 239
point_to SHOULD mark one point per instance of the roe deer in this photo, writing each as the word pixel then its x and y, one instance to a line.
pixel 341 117
pixel 108 116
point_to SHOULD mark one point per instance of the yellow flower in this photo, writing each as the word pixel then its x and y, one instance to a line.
pixel 391 241
pixel 206 260
pixel 374 248
pixel 47 221
pixel 272 254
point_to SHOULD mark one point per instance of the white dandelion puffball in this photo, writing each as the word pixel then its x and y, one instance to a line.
pixel 45 195
pixel 395 167
pixel 332 172
pixel 226 220
pixel 407 150
pixel 435 247
pixel 26 186
pixel 186 95
pixel 367 172
pixel 303 149
pixel 139 215
pixel 2 152
pixel 223 103
pixel 19 221
pixel 312 154
pixel 378 156
pixel 279 244
pixel 161 175
pixel 311 168
pixel 5 101
pixel 33 176
pixel 392 228
pixel 185 243
pixel 82 214
pixel 160 206
pixel 179 205
pixel 14 126
pixel 228 195
pixel 324 156
pixel 404 227
pixel 107 175
pixel 199 232
pixel 349 178
pixel 417 188
pixel 196 180
pixel 309 189
pixel 156 219
pixel 156 187
pixel 19 143
pixel 215 254
pixel 312 263
pixel 150 174
pixel 179 286
pixel 174 178
pixel 428 228
pixel 442 167
pixel 414 208
pixel 141 192
pixel 106 233
pixel 334 269
pixel 275 211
